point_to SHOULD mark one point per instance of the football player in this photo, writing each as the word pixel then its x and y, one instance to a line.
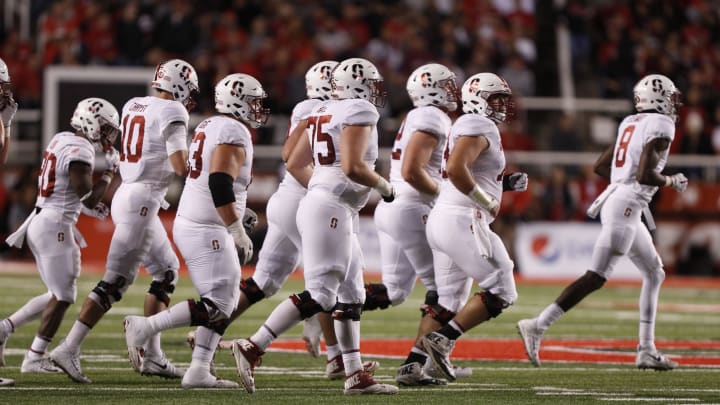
pixel 8 108
pixel 633 165
pixel 343 148
pixel 458 230
pixel 65 188
pixel 281 248
pixel 209 229
pixel 415 172
pixel 153 149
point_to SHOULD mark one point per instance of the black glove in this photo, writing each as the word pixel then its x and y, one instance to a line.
pixel 517 181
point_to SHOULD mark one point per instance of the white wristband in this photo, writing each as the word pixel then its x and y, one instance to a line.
pixel 106 177
pixel 483 198
pixel 236 227
pixel 383 186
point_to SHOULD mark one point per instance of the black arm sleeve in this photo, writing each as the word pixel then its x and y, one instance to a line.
pixel 221 188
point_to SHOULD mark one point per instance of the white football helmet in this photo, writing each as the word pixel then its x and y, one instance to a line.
pixel 5 85
pixel 317 79
pixel 657 92
pixel 433 84
pixel 178 78
pixel 98 120
pixel 358 78
pixel 241 96
pixel 487 94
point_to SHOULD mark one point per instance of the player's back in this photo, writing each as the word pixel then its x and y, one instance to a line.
pixel 634 132
pixel 325 126
pixel 428 119
pixel 196 203
pixel 54 188
pixel 487 170
pixel 143 150
pixel 301 112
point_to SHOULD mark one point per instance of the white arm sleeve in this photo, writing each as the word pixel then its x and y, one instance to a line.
pixel 175 135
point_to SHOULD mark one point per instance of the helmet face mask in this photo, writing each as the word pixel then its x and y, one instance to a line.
pixel 5 85
pixel 433 84
pixel 358 78
pixel 317 80
pixel 657 93
pixel 241 96
pixel 488 94
pixel 6 94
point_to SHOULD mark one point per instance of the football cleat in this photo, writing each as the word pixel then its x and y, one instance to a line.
pixel 42 365
pixel 360 382
pixel 161 367
pixel 335 368
pixel 438 348
pixel 200 377
pixel 531 336
pixel 69 362
pixel 7 382
pixel 311 335
pixel 460 372
pixel 247 356
pixel 136 335
pixel 412 374
pixel 647 359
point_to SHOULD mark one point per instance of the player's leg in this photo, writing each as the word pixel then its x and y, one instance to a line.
pixel 325 227
pixel 645 257
pixel 413 240
pixel 351 295
pixel 398 276
pixel 162 264
pixel 58 260
pixel 27 313
pixel 131 212
pixel 214 270
pixel 620 218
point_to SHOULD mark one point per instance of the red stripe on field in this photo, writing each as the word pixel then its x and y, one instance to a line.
pixel 553 350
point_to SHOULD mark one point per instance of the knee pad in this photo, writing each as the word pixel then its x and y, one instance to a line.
pixel 162 288
pixel 431 300
pixel 204 313
pixel 347 311
pixel 106 293
pixel 305 304
pixel 219 326
pixel 441 314
pixel 493 303
pixel 376 296
pixel 251 290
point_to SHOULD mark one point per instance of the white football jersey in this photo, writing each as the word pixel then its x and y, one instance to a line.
pixel 54 189
pixel 196 203
pixel 634 132
pixel 487 170
pixel 325 126
pixel 301 112
pixel 428 119
pixel 143 150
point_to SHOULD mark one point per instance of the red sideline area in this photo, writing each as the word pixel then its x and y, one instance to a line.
pixel 611 351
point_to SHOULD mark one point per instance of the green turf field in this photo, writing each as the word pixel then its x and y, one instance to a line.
pixel 287 378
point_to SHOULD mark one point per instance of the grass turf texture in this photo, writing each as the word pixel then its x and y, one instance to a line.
pixel 686 313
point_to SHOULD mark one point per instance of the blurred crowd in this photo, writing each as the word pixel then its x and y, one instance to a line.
pixel 277 40
pixel 612 44
pixel 615 42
